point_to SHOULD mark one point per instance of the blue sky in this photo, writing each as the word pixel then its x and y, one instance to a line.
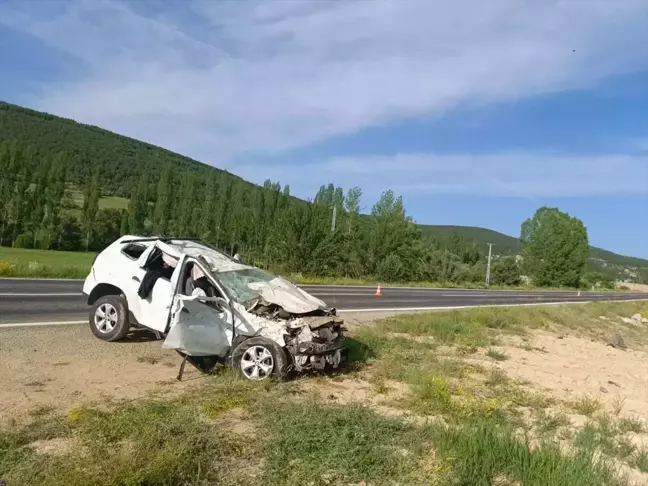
pixel 476 112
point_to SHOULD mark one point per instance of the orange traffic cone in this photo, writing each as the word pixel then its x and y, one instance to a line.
pixel 379 290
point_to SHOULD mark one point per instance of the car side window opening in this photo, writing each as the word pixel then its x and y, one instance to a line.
pixel 193 278
pixel 133 251
pixel 161 263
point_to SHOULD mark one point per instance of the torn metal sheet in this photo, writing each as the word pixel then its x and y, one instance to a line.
pixel 253 325
pixel 288 296
pixel 217 261
pixel 198 329
pixel 315 322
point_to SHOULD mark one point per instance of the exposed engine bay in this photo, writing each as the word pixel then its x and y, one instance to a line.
pixel 315 340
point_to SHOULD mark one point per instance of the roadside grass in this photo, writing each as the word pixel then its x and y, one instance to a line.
pixel 484 454
pixel 471 429
pixel 20 262
pixel 283 442
pixel 429 353
pixel 607 436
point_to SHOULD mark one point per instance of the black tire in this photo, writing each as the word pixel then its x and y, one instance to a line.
pixel 121 324
pixel 279 369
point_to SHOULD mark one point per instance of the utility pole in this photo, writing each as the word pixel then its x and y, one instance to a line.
pixel 488 267
pixel 333 220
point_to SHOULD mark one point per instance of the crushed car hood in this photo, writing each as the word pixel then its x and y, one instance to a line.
pixel 289 297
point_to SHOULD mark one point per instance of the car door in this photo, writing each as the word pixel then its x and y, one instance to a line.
pixel 200 326
pixel 153 311
pixel 130 275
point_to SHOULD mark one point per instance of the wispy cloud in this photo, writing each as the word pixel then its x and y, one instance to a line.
pixel 216 79
pixel 276 75
pixel 506 174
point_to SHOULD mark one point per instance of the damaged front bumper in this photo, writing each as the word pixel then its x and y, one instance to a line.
pixel 314 356
pixel 318 344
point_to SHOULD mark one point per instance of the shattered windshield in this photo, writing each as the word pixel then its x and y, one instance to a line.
pixel 238 282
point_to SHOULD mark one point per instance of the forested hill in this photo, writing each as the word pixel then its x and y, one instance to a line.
pixel 243 211
pixel 502 244
pixel 122 160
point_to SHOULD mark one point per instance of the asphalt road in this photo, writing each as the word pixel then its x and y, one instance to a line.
pixel 45 301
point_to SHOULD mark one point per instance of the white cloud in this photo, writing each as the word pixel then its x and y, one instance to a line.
pixel 275 75
pixel 506 174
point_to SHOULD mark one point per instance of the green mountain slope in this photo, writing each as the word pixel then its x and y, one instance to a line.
pixel 123 162
pixel 502 244
pixel 122 159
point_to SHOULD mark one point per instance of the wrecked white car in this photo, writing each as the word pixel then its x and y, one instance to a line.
pixel 211 308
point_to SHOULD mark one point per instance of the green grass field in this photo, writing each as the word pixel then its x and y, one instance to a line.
pixel 106 202
pixel 453 423
pixel 18 262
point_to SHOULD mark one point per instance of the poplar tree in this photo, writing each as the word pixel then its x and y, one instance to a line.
pixel 163 201
pixel 91 196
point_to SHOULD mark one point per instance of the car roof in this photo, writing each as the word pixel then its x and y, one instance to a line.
pixel 217 260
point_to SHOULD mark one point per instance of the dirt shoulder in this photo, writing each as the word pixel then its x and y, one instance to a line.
pixel 62 366
pixel 59 367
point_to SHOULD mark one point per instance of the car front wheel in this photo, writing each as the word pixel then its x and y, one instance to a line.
pixel 259 358
pixel 109 318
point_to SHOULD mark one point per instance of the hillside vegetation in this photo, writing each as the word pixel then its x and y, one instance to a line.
pixel 70 186
pixel 599 260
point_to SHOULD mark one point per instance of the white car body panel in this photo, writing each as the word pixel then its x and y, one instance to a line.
pixel 154 311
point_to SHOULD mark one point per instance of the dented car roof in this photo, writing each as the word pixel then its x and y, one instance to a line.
pixel 271 288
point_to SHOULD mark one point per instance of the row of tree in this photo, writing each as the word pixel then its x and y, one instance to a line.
pixel 327 236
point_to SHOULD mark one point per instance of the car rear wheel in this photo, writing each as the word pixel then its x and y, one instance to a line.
pixel 109 318
pixel 259 358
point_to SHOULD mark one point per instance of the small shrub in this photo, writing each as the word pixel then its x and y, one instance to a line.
pixel 625 448
pixel 497 378
pixel 640 460
pixel 41 410
pixel 618 405
pixel 549 423
pixel 432 394
pixel 635 425
pixel 586 405
pixel 496 355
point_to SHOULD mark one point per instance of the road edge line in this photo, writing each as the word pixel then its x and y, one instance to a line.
pixel 41 324
pixel 416 309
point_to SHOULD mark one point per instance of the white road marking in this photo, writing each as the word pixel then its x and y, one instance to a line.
pixel 62 294
pixel 43 279
pixel 37 324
